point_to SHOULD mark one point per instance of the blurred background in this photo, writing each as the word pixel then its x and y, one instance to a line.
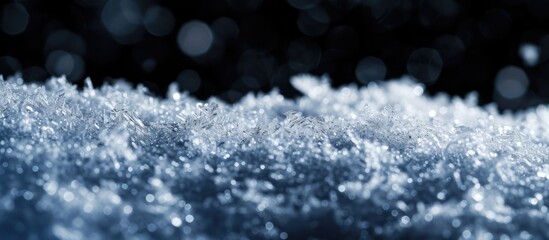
pixel 227 48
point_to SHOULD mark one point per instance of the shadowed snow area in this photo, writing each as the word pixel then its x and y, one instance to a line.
pixel 383 161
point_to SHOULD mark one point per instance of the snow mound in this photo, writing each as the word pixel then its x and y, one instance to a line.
pixel 383 161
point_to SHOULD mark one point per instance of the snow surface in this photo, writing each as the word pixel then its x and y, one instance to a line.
pixel 383 161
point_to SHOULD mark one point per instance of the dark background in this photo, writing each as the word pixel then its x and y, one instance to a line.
pixel 226 48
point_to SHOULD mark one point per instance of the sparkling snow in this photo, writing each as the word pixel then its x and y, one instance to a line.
pixel 383 161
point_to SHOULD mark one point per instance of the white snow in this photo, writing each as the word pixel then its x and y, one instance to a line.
pixel 383 161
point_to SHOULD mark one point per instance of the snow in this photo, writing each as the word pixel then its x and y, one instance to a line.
pixel 382 161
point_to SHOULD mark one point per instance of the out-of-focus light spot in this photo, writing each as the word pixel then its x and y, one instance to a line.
pixel 529 54
pixel 15 19
pixel 127 209
pixel 303 55
pixel 176 221
pixel 63 63
pixel 189 218
pixel 418 90
pixel 149 198
pixel 313 22
pixel 68 196
pixel 188 80
pixel 121 17
pixel 195 38
pixel 176 95
pixel 370 69
pixel 303 4
pixel 159 21
pixel 226 29
pixel 269 226
pixel 495 24
pixel 425 64
pixel 511 82
pixel 214 54
pixel 28 195
pixel 9 65
pixel 65 40
pixel 59 63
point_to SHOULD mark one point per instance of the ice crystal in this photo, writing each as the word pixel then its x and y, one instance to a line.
pixel 382 161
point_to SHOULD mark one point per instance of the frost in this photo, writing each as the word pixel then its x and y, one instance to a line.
pixel 383 161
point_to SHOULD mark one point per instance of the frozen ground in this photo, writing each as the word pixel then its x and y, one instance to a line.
pixel 378 162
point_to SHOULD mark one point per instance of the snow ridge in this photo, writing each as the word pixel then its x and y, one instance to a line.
pixel 382 161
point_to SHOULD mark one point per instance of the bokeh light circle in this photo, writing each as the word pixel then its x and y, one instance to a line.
pixel 226 29
pixel 121 17
pixel 64 63
pixel 159 21
pixel 529 53
pixel 15 19
pixel 370 69
pixel 195 38
pixel 425 64
pixel 511 82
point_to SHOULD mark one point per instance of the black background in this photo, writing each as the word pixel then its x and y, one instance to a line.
pixel 491 33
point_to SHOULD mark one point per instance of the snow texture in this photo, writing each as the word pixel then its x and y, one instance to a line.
pixel 383 161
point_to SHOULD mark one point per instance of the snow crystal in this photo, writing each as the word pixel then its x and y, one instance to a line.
pixel 383 161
